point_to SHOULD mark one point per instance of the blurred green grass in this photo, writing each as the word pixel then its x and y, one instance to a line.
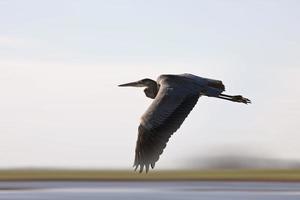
pixel 168 175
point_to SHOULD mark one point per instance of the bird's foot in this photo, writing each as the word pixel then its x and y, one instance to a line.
pixel 241 99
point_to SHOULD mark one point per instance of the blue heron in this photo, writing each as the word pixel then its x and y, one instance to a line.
pixel 174 98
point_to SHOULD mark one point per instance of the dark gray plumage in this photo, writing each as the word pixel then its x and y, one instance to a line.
pixel 174 98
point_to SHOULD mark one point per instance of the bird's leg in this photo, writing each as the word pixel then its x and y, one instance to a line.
pixel 235 98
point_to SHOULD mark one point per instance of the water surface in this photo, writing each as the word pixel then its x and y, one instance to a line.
pixel 60 190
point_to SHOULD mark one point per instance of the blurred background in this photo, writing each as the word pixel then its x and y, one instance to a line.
pixel 61 62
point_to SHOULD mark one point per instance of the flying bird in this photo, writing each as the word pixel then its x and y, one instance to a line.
pixel 174 98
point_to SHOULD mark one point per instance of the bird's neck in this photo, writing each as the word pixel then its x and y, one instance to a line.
pixel 151 90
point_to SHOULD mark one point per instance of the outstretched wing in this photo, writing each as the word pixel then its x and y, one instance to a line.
pixel 164 117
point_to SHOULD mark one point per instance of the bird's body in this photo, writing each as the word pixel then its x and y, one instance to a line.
pixel 174 98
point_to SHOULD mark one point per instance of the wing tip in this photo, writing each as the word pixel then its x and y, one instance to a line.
pixel 140 167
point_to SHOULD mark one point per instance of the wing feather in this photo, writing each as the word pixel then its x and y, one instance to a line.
pixel 170 110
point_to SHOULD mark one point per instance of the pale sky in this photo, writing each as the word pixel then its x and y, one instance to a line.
pixel 61 62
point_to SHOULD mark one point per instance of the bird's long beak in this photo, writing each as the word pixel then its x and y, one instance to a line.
pixel 132 84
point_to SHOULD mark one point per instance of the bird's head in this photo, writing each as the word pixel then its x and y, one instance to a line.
pixel 151 89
